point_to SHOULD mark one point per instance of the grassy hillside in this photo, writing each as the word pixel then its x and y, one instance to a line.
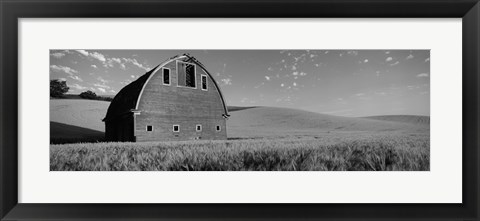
pixel 79 120
pixel 271 121
pixel 245 122
pixel 414 119
pixel 81 113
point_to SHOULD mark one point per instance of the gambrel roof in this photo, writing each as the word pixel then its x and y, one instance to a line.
pixel 126 101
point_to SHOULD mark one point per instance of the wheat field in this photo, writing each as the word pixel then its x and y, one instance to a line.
pixel 366 153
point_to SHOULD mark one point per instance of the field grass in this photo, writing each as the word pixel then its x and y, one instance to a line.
pixel 372 152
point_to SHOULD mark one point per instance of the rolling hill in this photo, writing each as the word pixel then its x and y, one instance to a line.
pixel 271 121
pixel 72 118
pixel 78 112
pixel 414 119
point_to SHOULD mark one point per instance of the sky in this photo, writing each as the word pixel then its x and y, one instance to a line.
pixel 350 83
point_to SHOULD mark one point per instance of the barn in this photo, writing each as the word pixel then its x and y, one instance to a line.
pixel 177 100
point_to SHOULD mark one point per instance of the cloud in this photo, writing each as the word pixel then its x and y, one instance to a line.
pixel 132 76
pixel 93 66
pixel 303 74
pixel 77 86
pixel 62 79
pixel 71 72
pixel 423 75
pixel 226 81
pixel 396 62
pixel 75 77
pixel 267 77
pixel 389 59
pixel 365 61
pixel 109 62
pixel 102 89
pixel 294 84
pixel 57 55
pixel 282 85
pixel 94 55
pixel 126 82
pixel 102 86
pixel 410 56
pixel 98 56
pixel 118 60
pixel 83 52
pixel 136 63
pixel 353 53
pixel 65 69
pixel 387 52
pixel 359 94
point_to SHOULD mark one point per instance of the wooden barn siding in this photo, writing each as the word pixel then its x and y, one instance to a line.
pixel 120 129
pixel 162 106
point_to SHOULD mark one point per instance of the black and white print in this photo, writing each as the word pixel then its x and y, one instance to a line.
pixel 239 110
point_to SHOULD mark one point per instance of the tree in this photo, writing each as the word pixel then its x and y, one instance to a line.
pixel 58 88
pixel 88 95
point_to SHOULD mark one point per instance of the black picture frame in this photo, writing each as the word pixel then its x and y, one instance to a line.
pixel 12 10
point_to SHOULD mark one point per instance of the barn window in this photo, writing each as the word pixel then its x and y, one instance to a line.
pixel 149 128
pixel 186 74
pixel 218 128
pixel 166 76
pixel 176 128
pixel 204 82
pixel 199 127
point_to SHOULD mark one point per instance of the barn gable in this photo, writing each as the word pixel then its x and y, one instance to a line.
pixel 188 59
pixel 127 99
pixel 177 100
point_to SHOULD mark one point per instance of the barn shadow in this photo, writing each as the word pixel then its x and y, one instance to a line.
pixel 61 133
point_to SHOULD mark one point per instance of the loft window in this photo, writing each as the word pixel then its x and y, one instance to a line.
pixel 186 74
pixel 218 128
pixel 176 128
pixel 166 76
pixel 149 128
pixel 199 127
pixel 204 82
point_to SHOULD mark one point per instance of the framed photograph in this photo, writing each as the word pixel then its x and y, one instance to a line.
pixel 323 110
